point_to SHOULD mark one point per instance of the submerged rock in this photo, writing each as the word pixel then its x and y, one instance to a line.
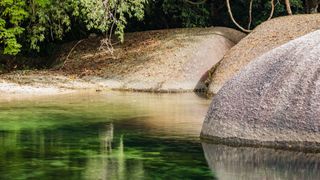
pixel 265 37
pixel 274 101
pixel 163 61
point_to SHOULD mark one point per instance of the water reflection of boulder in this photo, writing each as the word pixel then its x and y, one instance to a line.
pixel 260 163
pixel 274 101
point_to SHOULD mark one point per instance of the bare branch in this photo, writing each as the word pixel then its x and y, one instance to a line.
pixel 250 14
pixel 195 3
pixel 272 9
pixel 67 58
pixel 109 14
pixel 233 20
pixel 287 2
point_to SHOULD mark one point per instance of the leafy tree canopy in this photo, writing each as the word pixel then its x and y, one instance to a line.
pixel 30 22
pixel 28 25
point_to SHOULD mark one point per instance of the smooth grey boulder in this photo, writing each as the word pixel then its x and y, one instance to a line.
pixel 274 101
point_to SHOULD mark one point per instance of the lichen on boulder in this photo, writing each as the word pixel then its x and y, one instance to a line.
pixel 273 101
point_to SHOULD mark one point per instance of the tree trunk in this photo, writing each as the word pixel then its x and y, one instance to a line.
pixel 287 2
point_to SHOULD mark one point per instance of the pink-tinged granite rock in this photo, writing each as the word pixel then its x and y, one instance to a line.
pixel 265 37
pixel 274 101
pixel 173 60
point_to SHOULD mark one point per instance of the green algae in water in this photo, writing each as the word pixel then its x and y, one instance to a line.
pixel 103 137
pixel 129 136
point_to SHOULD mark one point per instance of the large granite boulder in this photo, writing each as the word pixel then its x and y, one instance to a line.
pixel 265 37
pixel 274 101
pixel 172 60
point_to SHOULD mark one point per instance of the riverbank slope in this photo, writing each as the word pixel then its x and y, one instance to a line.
pixel 175 60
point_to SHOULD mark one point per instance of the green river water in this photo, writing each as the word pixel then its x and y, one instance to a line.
pixel 116 135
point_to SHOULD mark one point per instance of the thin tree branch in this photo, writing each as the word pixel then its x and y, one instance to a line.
pixel 272 10
pixel 250 14
pixel 195 3
pixel 233 20
pixel 67 58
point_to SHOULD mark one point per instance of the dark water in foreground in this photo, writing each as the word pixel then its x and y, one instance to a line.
pixel 129 136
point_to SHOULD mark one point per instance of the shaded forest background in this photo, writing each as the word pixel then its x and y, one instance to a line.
pixel 36 28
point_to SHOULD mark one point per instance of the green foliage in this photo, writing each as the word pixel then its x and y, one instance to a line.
pixel 49 19
pixel 27 23
pixel 30 25
pixel 97 15
pixel 180 13
pixel 187 14
pixel 262 8
pixel 12 14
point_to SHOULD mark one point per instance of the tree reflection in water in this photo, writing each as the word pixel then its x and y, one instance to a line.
pixel 103 136
pixel 112 165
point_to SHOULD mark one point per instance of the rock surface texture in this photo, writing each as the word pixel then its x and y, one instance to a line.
pixel 265 37
pixel 274 101
pixel 162 61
